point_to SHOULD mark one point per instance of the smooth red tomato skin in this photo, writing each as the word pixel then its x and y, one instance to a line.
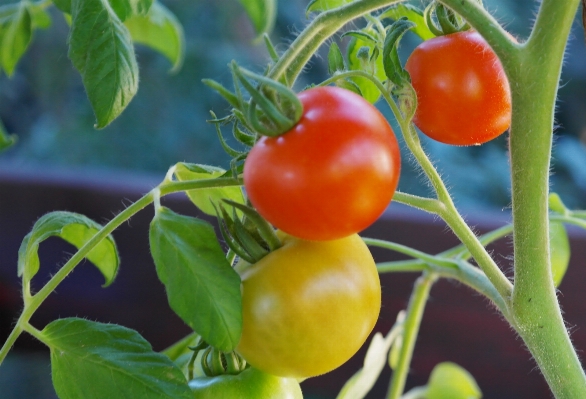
pixel 330 176
pixel 463 95
pixel 308 306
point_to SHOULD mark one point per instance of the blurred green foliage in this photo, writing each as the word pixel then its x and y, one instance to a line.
pixel 45 105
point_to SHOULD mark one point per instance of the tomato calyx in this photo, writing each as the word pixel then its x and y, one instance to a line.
pixel 250 237
pixel 448 21
pixel 271 109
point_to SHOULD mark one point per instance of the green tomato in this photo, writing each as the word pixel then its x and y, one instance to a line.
pixel 450 381
pixel 249 384
pixel 559 247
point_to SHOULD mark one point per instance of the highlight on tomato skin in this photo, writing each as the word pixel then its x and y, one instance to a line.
pixel 463 94
pixel 308 306
pixel 332 175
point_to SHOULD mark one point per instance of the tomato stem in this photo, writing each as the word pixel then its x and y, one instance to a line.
pixel 412 323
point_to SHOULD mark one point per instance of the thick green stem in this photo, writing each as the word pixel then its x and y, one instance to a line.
pixel 535 305
pixel 534 69
pixel 411 330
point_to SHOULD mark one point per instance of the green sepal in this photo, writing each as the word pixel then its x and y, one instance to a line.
pixel 225 146
pixel 280 118
pixel 265 230
pixel 227 94
pixel 336 61
pixel 270 47
pixel 324 5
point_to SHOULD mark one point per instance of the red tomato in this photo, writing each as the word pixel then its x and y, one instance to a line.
pixel 332 175
pixel 463 95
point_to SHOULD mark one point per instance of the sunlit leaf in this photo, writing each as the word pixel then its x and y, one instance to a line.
pixel 413 14
pixel 205 197
pixel 161 31
pixel 75 229
pixel 450 381
pixel 15 34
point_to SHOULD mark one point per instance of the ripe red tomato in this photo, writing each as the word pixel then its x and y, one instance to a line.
pixel 332 175
pixel 463 95
pixel 308 306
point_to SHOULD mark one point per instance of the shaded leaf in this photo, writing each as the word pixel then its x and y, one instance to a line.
pixel 202 288
pixel 101 50
pixel 93 360
pixel 15 34
pixel 129 8
pixel 205 197
pixel 263 14
pixel 75 229
pixel 161 31
pixel 6 140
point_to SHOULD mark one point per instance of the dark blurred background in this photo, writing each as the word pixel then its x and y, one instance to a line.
pixel 44 103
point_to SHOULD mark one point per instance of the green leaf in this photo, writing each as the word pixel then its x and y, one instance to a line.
pixel 203 198
pixel 375 67
pixel 392 65
pixel 559 247
pixel 324 5
pixel 262 13
pixel 161 31
pixel 450 381
pixel 202 288
pixel 93 360
pixel 413 14
pixel 40 17
pixel 101 50
pixel 128 8
pixel 15 34
pixel 6 140
pixel 75 229
pixel 63 5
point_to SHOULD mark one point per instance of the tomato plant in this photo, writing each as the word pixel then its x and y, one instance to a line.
pixel 249 384
pixel 463 95
pixel 308 306
pixel 332 175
